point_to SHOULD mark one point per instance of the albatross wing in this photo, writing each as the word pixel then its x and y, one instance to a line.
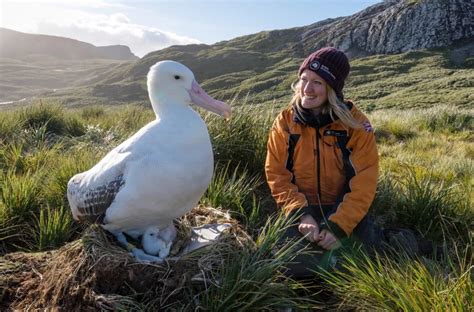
pixel 90 193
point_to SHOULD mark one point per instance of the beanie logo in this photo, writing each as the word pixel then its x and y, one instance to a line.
pixel 326 69
pixel 315 65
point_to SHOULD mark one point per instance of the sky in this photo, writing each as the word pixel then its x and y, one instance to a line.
pixel 147 26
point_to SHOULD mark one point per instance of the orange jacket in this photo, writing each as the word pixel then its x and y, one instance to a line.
pixel 294 183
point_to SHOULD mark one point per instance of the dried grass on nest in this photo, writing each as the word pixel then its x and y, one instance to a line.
pixel 94 273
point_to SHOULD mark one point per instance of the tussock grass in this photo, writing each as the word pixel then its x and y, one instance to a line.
pixel 92 112
pixel 9 126
pixel 10 230
pixel 449 120
pixel 242 139
pixel 52 228
pixel 72 162
pixel 20 196
pixel 428 204
pixel 127 120
pixel 425 184
pixel 232 190
pixel 385 284
pixel 11 157
pixel 419 200
pixel 253 279
pixel 51 116
pixel 440 119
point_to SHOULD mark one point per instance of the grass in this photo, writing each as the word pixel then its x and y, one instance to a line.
pixel 19 195
pixel 422 201
pixel 256 67
pixel 234 190
pixel 52 119
pixel 253 279
pixel 52 228
pixel 404 284
pixel 425 184
pixel 242 139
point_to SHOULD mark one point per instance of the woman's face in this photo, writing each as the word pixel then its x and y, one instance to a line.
pixel 313 90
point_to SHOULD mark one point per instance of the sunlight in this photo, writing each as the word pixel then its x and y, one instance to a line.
pixel 87 21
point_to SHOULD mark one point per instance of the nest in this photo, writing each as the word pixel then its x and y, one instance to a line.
pixel 94 273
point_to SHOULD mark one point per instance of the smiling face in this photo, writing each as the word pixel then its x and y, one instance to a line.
pixel 312 90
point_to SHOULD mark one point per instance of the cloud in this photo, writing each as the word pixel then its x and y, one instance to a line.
pixel 113 29
pixel 78 19
pixel 70 3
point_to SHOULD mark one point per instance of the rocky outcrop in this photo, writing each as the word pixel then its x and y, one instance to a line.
pixel 396 26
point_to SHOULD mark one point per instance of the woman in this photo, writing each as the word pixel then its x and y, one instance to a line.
pixel 322 161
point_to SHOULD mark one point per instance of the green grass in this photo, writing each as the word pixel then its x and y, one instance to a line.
pixel 252 280
pixel 254 67
pixel 233 190
pixel 419 79
pixel 422 201
pixel 52 118
pixel 405 284
pixel 242 139
pixel 19 195
pixel 425 184
pixel 52 228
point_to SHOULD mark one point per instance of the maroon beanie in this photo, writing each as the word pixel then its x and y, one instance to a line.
pixel 331 64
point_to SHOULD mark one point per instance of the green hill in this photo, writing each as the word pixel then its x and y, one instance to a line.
pixel 403 54
pixel 18 45
pixel 413 79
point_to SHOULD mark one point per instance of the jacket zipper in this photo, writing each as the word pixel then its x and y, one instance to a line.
pixel 318 165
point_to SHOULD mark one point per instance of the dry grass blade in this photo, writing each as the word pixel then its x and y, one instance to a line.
pixel 94 273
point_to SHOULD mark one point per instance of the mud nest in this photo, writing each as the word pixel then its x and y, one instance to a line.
pixel 94 273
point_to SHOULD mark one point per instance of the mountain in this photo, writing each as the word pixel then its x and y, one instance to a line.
pixel 386 28
pixel 32 65
pixel 396 26
pixel 264 64
pixel 18 45
pixel 386 42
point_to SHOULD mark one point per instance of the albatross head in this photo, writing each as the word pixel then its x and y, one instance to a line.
pixel 170 82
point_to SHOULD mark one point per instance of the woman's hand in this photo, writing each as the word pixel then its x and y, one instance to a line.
pixel 328 240
pixel 309 228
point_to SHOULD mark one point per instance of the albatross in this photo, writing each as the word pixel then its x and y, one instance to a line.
pixel 156 175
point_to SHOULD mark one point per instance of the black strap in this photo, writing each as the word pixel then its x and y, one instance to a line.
pixel 348 168
pixel 292 140
pixel 349 171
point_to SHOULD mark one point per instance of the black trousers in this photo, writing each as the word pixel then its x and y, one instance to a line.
pixel 315 258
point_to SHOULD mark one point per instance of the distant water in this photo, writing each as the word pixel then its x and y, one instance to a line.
pixel 11 102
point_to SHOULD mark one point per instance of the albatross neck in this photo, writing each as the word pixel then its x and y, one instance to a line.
pixel 164 105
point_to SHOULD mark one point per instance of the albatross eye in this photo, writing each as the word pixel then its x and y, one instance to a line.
pixel 177 77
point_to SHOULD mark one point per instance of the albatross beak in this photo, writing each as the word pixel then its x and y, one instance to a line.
pixel 201 98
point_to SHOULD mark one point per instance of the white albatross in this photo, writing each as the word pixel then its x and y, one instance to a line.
pixel 156 175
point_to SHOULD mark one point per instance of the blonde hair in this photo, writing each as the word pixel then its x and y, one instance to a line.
pixel 333 107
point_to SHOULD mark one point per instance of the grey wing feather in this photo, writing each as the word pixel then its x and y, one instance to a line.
pixel 93 202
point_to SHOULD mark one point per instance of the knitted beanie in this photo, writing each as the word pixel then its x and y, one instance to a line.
pixel 330 64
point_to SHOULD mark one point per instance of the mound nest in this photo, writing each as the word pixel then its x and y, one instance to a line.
pixel 94 273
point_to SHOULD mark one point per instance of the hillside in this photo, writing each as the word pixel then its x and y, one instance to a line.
pixel 261 67
pixel 35 77
pixel 31 65
pixel 18 45
pixel 412 79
